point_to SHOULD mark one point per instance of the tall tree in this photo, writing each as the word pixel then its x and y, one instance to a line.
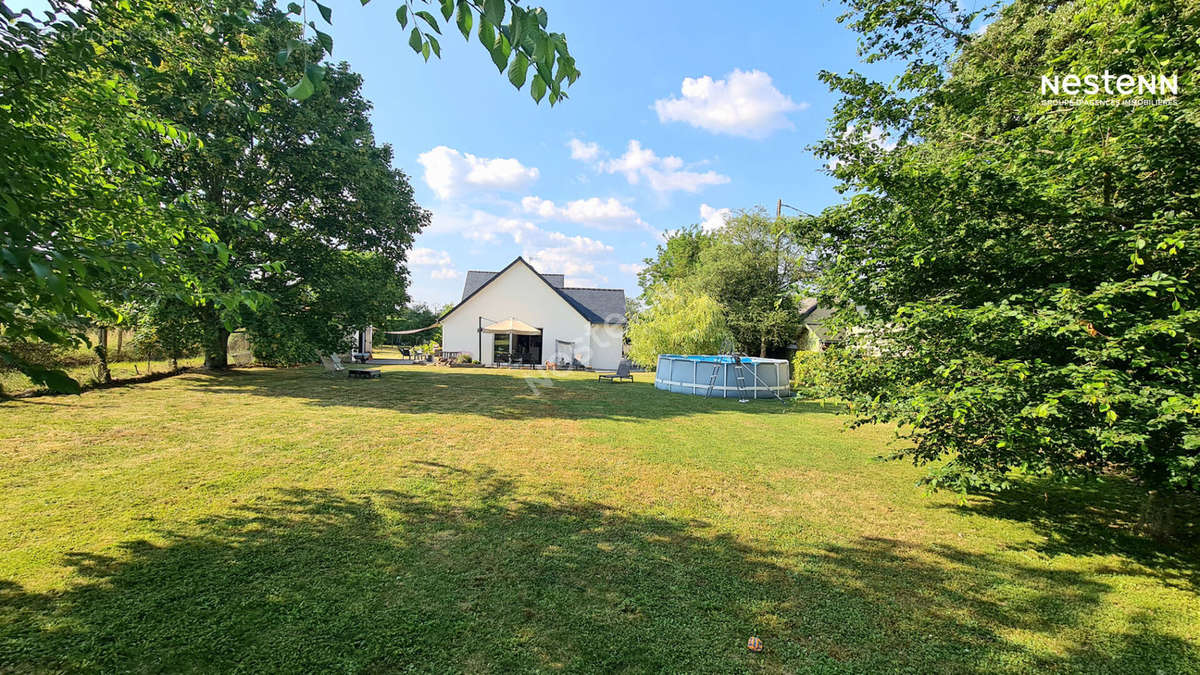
pixel 1026 268
pixel 290 189
pixel 755 268
pixel 677 320
pixel 676 258
pixel 80 223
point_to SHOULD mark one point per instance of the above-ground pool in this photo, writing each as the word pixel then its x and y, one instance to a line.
pixel 761 378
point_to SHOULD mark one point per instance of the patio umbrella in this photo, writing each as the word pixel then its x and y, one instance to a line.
pixel 512 326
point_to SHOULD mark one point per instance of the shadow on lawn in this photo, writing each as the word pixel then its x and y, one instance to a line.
pixel 1099 517
pixel 498 394
pixel 311 580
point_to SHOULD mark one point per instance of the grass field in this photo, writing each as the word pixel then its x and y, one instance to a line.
pixel 480 521
pixel 13 382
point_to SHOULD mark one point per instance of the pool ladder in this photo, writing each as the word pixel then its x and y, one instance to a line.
pixel 738 367
pixel 741 381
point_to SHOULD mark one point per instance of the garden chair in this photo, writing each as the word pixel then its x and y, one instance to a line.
pixel 622 373
pixel 331 367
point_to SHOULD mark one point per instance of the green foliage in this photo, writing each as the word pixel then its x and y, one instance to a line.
pixel 82 227
pixel 168 330
pixel 516 46
pixel 811 373
pixel 411 317
pixel 754 268
pixel 677 320
pixel 321 228
pixel 1026 272
pixel 675 259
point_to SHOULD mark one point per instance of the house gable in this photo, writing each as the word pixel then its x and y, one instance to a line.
pixel 575 305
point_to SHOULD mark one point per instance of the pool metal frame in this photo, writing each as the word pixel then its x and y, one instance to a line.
pixel 702 370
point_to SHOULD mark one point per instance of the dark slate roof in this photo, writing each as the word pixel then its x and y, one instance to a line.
pixel 475 280
pixel 814 316
pixel 606 303
pixel 597 305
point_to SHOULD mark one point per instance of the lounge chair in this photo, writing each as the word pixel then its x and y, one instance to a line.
pixel 331 368
pixel 365 373
pixel 622 373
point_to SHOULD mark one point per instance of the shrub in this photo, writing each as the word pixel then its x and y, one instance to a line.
pixel 811 374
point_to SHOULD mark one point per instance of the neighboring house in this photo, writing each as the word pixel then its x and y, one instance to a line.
pixel 814 336
pixel 517 315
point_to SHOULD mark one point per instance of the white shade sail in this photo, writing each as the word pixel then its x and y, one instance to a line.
pixel 514 326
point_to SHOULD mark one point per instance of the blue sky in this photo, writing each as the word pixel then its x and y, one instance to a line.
pixel 593 211
pixel 644 143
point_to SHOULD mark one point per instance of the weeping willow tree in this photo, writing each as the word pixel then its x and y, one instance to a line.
pixel 677 320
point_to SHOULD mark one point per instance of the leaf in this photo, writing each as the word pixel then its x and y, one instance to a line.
pixel 415 41
pixel 464 19
pixel 402 15
pixel 435 46
pixel 493 10
pixel 537 88
pixel 500 51
pixel 315 73
pixel 294 8
pixel 516 71
pixel 447 9
pixel 284 54
pixel 326 13
pixel 425 51
pixel 428 18
pixel 302 89
pixel 325 39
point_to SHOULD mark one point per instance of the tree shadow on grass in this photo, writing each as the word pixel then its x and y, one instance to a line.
pixel 468 576
pixel 1099 518
pixel 500 394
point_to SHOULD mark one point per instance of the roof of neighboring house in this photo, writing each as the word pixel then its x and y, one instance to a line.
pixel 814 316
pixel 597 305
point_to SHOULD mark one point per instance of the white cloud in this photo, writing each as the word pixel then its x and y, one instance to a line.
pixel 745 104
pixel 547 250
pixel 444 273
pixel 712 219
pixel 631 269
pixel 582 151
pixel 662 174
pixel 450 173
pixel 606 213
pixel 428 257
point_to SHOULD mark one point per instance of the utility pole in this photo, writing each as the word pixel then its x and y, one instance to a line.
pixel 779 209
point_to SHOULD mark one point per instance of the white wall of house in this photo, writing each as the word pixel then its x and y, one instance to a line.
pixel 607 345
pixel 518 293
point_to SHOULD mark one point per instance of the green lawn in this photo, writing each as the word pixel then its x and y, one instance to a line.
pixel 13 382
pixel 470 520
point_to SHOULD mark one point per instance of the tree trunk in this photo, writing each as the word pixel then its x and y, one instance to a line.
pixel 1157 518
pixel 120 342
pixel 762 347
pixel 102 354
pixel 216 341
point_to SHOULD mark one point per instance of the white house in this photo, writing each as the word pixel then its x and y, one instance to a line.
pixel 517 315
